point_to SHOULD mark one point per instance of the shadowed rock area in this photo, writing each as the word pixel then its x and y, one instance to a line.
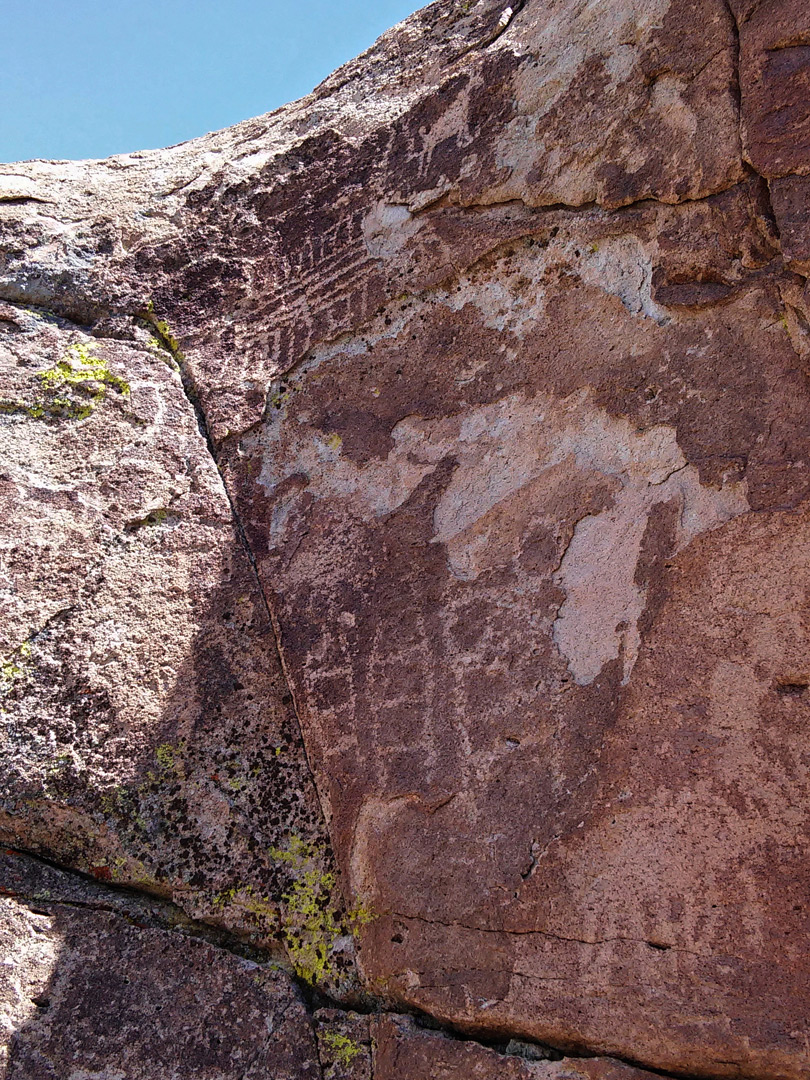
pixel 405 560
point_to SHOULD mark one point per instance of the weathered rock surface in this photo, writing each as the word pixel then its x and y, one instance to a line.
pixel 106 983
pixel 500 341
pixel 403 1050
pixel 148 736
pixel 92 986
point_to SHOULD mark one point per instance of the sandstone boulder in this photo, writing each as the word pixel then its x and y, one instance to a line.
pixel 490 435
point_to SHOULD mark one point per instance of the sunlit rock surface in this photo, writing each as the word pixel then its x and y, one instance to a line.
pixel 406 549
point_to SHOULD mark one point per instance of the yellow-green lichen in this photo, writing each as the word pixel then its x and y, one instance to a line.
pixel 10 407
pixel 278 398
pixel 343 1049
pixel 165 756
pixel 79 367
pixel 170 762
pixel 58 766
pixel 248 899
pixel 113 800
pixel 310 925
pixel 14 667
pixel 168 336
pixel 168 340
pixel 9 673
pixel 148 521
pixel 73 387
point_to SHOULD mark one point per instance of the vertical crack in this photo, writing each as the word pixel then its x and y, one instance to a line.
pixel 170 344
pixel 736 85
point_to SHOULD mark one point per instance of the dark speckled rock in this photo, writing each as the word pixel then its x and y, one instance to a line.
pixel 148 736
pixel 92 987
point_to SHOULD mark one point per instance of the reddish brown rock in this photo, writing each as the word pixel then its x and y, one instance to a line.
pixel 279 233
pixel 85 992
pixel 403 1051
pixel 345 1045
pixel 775 95
pixel 501 340
pixel 148 736
pixel 775 83
pixel 509 521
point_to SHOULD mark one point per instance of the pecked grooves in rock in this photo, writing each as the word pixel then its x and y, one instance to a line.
pixel 498 349
pixel 75 921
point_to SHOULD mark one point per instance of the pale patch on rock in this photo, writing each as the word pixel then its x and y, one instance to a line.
pixel 599 619
pixel 667 100
pixel 516 459
pixel 568 36
pixel 13 186
pixel 28 953
pixel 387 229
pixel 515 442
pixel 621 266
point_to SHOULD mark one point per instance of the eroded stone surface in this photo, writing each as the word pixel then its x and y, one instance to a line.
pixel 402 1050
pixel 148 735
pixel 503 346
pixel 86 993
pixel 520 467
pixel 570 105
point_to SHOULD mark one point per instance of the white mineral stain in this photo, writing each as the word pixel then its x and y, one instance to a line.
pixel 507 448
pixel 516 459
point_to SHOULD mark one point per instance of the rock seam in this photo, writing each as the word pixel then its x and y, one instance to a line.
pixel 167 919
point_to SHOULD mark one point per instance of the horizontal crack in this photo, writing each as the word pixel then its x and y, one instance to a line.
pixel 139 907
pixel 594 942
pixel 123 900
pixel 444 201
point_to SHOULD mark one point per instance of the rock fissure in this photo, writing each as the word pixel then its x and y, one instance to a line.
pixel 658 946
pixel 194 400
pixel 136 906
pixel 127 904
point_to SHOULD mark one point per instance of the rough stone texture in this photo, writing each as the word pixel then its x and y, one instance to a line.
pixel 259 242
pixel 774 40
pixel 345 1045
pixel 147 734
pixel 501 343
pixel 86 992
pixel 472 671
pixel 403 1050
pixel 109 984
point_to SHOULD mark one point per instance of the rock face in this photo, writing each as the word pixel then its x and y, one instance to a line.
pixel 95 986
pixel 148 734
pixel 407 550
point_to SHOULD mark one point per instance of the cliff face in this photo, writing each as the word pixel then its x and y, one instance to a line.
pixel 405 562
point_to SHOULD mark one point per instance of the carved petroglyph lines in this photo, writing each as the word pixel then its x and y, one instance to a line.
pixel 514 456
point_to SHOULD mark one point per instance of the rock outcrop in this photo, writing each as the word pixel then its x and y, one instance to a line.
pixel 406 558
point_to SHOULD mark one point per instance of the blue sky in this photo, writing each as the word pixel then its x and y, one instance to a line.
pixel 89 78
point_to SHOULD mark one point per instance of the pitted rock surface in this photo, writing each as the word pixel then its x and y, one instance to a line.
pixel 148 735
pixel 499 342
pixel 90 991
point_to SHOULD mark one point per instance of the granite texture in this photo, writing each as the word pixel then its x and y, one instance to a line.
pixel 406 506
